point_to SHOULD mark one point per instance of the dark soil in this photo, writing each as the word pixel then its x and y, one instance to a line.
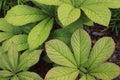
pixel 95 32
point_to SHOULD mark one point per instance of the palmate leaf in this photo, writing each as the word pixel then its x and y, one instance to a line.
pixel 98 14
pixel 101 51
pixel 67 14
pixel 107 3
pixel 59 52
pixel 62 73
pixel 40 33
pixel 23 14
pixel 29 76
pixel 29 58
pixel 106 71
pixel 81 45
pixel 19 40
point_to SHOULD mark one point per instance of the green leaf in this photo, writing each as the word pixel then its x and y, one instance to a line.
pixel 19 40
pixel 107 3
pixel 6 27
pixel 59 53
pixel 81 45
pixel 15 78
pixel 29 76
pixel 65 34
pixel 4 62
pixel 5 36
pixel 13 56
pixel 67 14
pixel 5 74
pixel 49 2
pixel 101 51
pixel 29 58
pixel 40 33
pixel 98 14
pixel 106 71
pixel 62 73
pixel 23 14
pixel 87 77
pixel 8 78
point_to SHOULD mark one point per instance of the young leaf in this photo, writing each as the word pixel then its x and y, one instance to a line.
pixel 5 36
pixel 62 73
pixel 106 71
pixel 5 73
pixel 101 51
pixel 29 76
pixel 40 33
pixel 67 14
pixel 81 45
pixel 59 52
pixel 19 40
pixel 49 2
pixel 13 56
pixel 98 14
pixel 29 58
pixel 23 14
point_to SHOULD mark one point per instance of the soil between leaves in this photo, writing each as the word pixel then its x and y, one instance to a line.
pixel 95 32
